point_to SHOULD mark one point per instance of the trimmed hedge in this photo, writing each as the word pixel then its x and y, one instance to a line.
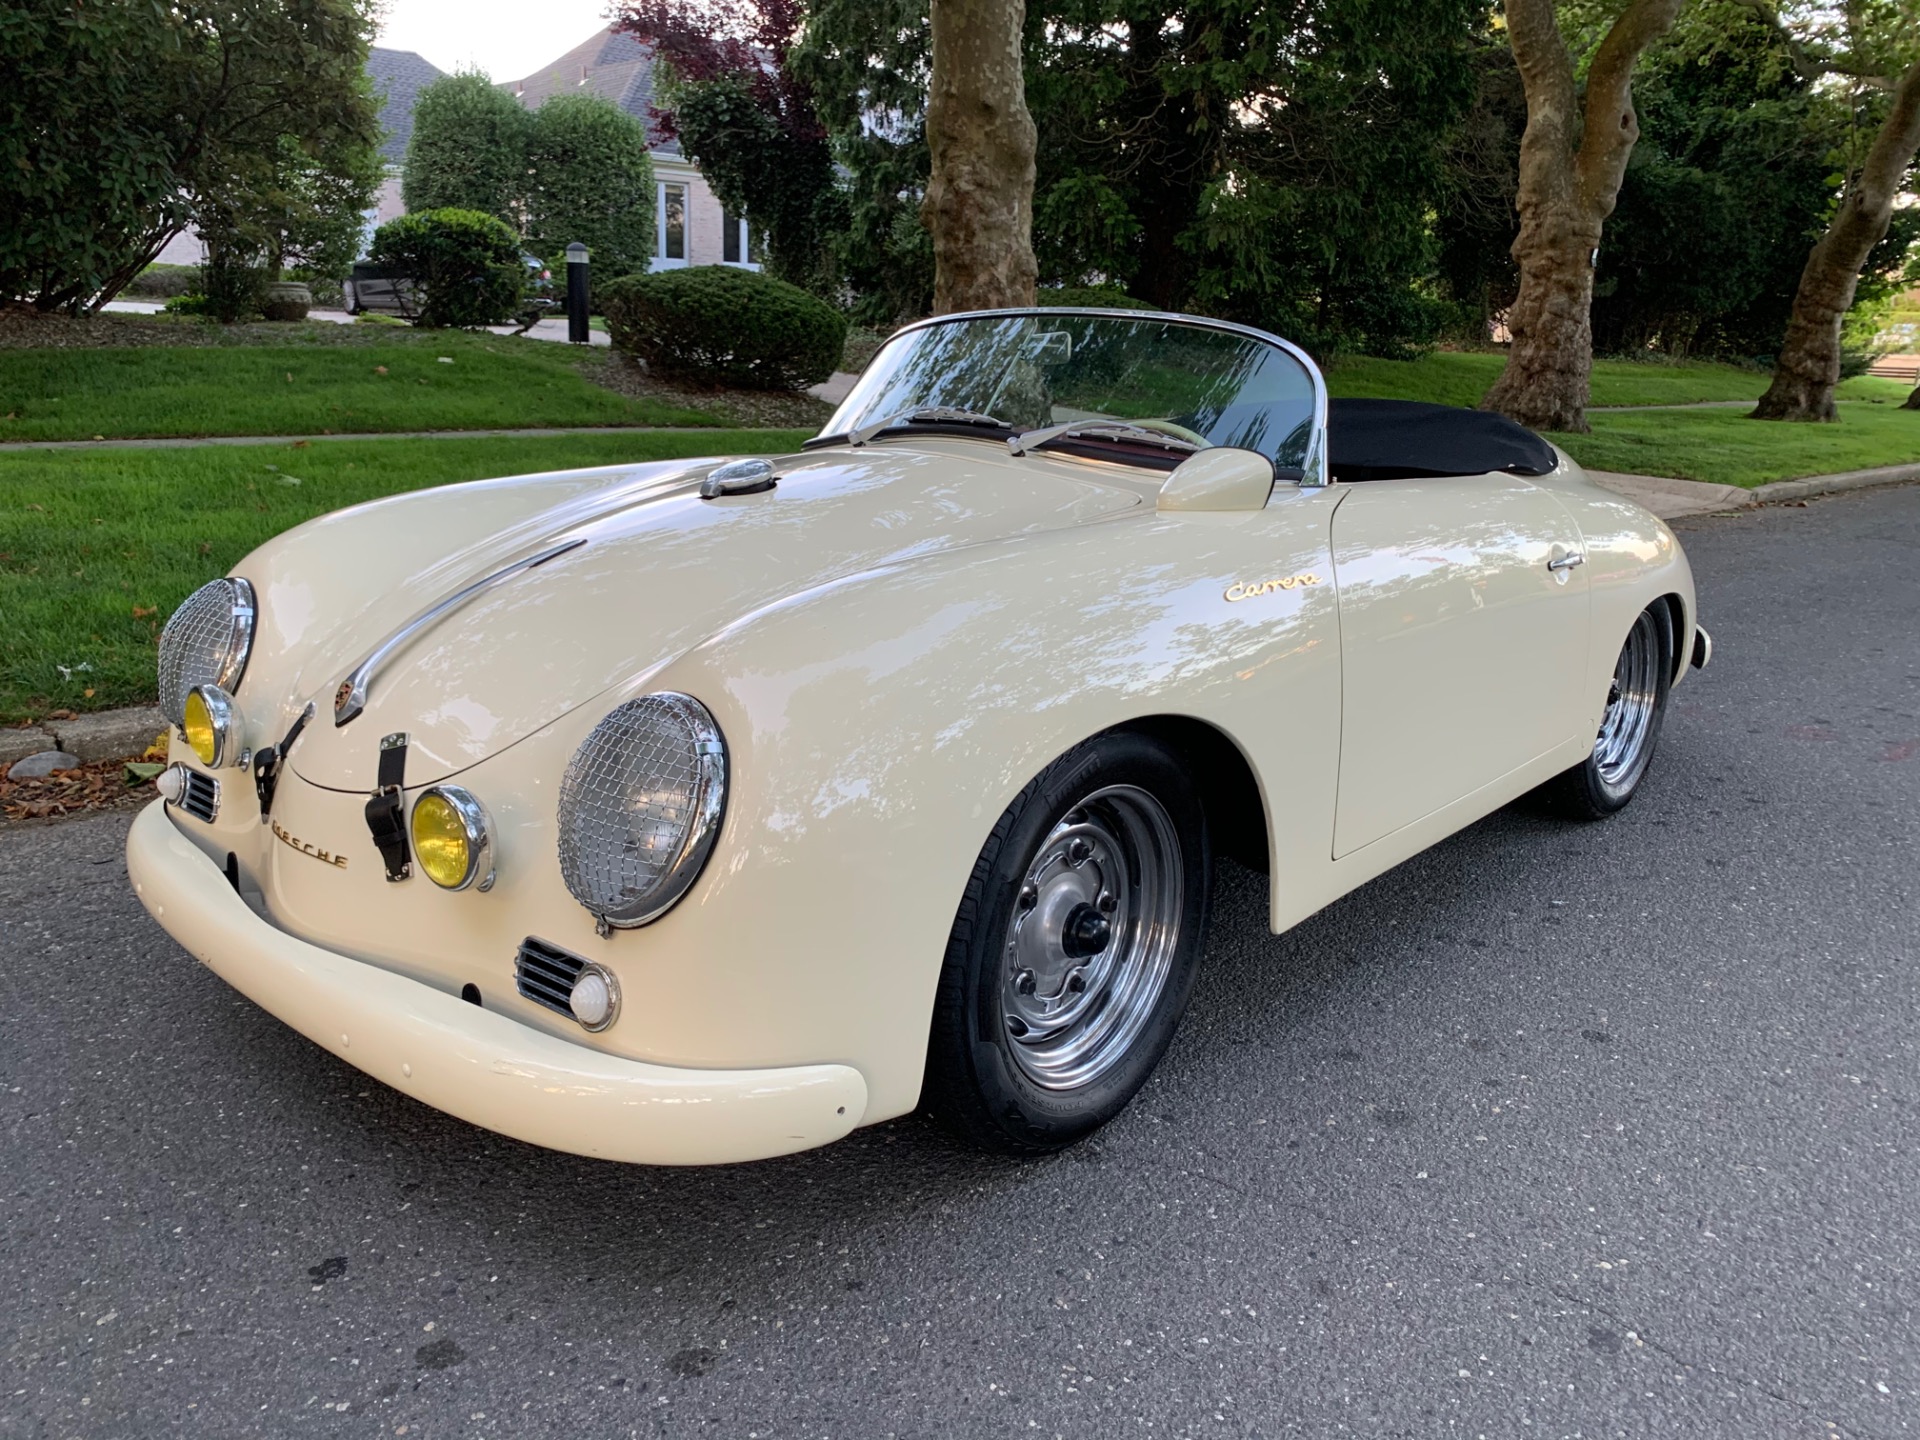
pixel 722 325
pixel 1097 297
pixel 466 264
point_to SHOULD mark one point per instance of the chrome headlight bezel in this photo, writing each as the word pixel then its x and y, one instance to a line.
pixel 473 820
pixel 663 743
pixel 207 641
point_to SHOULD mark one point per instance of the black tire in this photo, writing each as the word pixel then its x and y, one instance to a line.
pixel 1077 850
pixel 1603 783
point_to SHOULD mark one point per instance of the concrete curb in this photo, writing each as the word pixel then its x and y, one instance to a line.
pixel 98 735
pixel 1833 484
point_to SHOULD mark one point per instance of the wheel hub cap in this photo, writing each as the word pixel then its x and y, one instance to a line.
pixel 1092 936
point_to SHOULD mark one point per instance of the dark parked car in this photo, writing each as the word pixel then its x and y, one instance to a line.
pixel 389 290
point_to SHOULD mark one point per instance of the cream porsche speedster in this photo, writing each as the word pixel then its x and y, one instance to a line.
pixel 703 811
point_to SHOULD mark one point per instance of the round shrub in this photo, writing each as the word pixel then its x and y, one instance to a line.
pixel 721 325
pixel 1096 297
pixel 466 265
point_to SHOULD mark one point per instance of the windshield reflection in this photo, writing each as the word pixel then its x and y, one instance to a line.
pixel 1028 371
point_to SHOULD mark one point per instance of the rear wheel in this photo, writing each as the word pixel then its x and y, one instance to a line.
pixel 1073 952
pixel 1630 726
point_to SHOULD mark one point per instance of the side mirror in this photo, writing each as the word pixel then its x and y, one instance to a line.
pixel 1223 478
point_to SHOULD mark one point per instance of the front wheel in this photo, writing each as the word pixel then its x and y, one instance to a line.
pixel 1074 949
pixel 1629 727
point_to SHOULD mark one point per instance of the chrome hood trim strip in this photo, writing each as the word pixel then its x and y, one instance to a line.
pixel 351 698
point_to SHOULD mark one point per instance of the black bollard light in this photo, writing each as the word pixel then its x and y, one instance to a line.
pixel 577 293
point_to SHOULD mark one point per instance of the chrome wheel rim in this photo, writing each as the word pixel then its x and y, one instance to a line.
pixel 1091 942
pixel 1620 754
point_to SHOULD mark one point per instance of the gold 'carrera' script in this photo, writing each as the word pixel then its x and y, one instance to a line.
pixel 325 857
pixel 1250 589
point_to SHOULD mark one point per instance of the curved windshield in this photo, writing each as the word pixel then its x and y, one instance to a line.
pixel 1149 390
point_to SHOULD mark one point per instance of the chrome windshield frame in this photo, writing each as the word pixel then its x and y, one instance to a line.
pixel 1315 473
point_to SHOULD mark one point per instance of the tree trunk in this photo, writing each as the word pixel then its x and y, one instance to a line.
pixel 1913 400
pixel 979 205
pixel 1571 165
pixel 1809 363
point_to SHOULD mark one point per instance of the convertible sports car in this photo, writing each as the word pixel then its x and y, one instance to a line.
pixel 703 811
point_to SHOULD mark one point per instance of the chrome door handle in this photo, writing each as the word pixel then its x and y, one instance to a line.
pixel 1566 561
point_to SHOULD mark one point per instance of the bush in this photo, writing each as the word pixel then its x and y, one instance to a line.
pixel 726 326
pixel 468 150
pixel 466 264
pixel 1098 297
pixel 163 282
pixel 591 181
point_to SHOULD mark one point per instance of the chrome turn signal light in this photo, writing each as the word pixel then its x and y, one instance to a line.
pixel 207 724
pixel 595 998
pixel 451 838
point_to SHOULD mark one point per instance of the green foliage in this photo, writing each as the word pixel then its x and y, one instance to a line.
pixel 122 123
pixel 1272 162
pixel 163 282
pixel 1103 297
pixel 721 325
pixel 233 278
pixel 591 181
pixel 468 150
pixel 467 265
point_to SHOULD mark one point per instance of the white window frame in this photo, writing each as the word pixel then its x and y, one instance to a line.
pixel 660 260
pixel 746 260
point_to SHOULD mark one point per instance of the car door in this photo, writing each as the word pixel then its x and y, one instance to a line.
pixel 1463 638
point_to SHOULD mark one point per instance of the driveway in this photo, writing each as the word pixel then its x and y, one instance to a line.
pixel 1554 1131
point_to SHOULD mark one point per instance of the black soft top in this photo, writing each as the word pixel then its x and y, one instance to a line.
pixel 1407 439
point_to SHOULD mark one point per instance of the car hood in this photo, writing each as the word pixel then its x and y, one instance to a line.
pixel 659 571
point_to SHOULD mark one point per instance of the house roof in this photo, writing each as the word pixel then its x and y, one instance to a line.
pixel 609 64
pixel 398 78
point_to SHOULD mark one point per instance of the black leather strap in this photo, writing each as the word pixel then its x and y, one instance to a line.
pixel 267 763
pixel 387 810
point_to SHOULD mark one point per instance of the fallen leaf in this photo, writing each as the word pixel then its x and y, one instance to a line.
pixel 61 715
pixel 300 444
pixel 206 547
pixel 41 508
pixel 87 694
pixel 99 437
pixel 444 359
pixel 142 612
pixel 289 377
pixel 379 369
pixel 138 770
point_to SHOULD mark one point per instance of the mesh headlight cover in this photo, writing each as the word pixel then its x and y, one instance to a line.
pixel 206 643
pixel 640 807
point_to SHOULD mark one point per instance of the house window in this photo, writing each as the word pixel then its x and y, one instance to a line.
pixel 670 247
pixel 733 238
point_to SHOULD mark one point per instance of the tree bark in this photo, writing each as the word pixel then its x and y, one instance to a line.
pixel 1809 363
pixel 979 205
pixel 1572 159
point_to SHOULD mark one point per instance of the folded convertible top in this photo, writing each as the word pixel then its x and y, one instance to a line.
pixel 1406 439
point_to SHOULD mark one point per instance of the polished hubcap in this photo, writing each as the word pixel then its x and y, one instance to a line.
pixel 1092 937
pixel 1621 752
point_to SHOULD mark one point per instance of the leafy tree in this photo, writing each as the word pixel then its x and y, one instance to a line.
pixel 1276 163
pixel 980 139
pixel 1573 157
pixel 746 117
pixel 591 180
pixel 468 150
pixel 122 124
pixel 1875 44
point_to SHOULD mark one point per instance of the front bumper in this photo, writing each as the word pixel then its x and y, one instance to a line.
pixel 483 1067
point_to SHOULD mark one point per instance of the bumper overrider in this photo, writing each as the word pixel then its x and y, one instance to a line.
pixel 478 1065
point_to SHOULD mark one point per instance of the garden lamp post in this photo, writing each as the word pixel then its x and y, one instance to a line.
pixel 577 293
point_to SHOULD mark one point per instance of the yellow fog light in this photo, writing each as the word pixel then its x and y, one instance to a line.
pixel 450 838
pixel 207 723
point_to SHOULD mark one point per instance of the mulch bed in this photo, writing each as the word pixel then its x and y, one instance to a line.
pixel 24 328
pixel 744 409
pixel 105 785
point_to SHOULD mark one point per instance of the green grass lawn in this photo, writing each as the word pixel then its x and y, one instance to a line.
pixel 1725 447
pixel 396 382
pixel 97 549
pixel 1461 378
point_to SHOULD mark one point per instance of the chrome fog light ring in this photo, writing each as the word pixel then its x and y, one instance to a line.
pixel 476 833
pixel 216 721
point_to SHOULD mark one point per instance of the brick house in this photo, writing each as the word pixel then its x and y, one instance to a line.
pixel 690 225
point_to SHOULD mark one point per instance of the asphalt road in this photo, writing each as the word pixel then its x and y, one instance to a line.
pixel 1554 1131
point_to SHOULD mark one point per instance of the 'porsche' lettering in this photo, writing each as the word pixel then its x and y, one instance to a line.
pixel 325 857
pixel 1250 589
